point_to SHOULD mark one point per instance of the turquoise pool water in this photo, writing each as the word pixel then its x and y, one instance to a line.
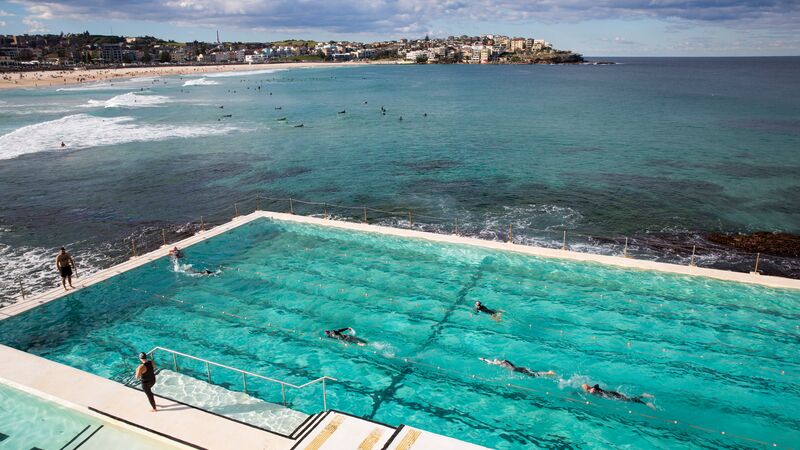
pixel 718 357
pixel 28 422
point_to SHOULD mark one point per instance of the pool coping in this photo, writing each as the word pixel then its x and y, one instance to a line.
pixel 114 403
pixel 609 260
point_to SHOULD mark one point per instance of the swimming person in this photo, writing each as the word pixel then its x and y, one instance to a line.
pixel 523 370
pixel 480 308
pixel 176 253
pixel 348 338
pixel 147 373
pixel 65 265
pixel 614 395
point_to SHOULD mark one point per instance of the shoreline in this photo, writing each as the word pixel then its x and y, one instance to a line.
pixel 60 78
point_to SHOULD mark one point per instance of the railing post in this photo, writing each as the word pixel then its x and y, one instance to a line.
pixel 510 234
pixel 164 236
pixel 691 263
pixel 258 203
pixel 625 250
pixel 456 226
pixel 235 210
pixel 325 208
pixel 133 247
pixel 324 397
pixel 365 214
pixel 22 289
pixel 174 361
pixel 758 258
pixel 283 393
pixel 202 224
pixel 244 382
pixel 564 245
pixel 291 206
pixel 208 373
pixel 411 219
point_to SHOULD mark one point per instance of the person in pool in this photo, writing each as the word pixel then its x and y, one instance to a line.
pixel 481 308
pixel 614 395
pixel 349 338
pixel 176 253
pixel 523 370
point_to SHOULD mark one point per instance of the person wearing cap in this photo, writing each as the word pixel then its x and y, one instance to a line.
pixel 147 373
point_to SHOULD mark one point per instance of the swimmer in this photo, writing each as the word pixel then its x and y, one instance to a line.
pixel 614 395
pixel 523 370
pixel 63 144
pixel 480 308
pixel 348 338
pixel 176 253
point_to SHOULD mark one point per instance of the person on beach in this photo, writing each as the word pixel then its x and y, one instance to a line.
pixel 523 370
pixel 147 373
pixel 481 308
pixel 614 395
pixel 347 338
pixel 65 266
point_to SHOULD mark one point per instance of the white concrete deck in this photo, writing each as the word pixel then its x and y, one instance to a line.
pixel 338 431
pixel 81 390
pixel 410 438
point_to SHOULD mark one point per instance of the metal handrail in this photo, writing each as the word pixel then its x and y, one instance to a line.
pixel 245 373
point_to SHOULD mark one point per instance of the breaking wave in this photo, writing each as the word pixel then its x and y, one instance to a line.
pixel 130 100
pixel 80 131
pixel 200 82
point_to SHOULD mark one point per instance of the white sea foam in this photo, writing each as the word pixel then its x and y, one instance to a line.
pixel 79 131
pixel 200 82
pixel 242 73
pixel 130 100
pixel 112 85
pixel 34 267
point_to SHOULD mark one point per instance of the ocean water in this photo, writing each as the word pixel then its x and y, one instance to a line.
pixel 719 359
pixel 658 150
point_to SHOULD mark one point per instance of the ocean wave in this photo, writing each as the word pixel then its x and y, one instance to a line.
pixel 130 100
pixel 200 82
pixel 242 73
pixel 80 131
pixel 34 267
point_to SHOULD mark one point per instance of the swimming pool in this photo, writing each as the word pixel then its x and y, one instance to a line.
pixel 29 422
pixel 717 356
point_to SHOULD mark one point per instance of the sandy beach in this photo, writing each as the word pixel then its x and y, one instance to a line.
pixel 58 78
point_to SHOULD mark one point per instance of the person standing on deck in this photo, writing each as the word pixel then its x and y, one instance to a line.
pixel 147 373
pixel 65 265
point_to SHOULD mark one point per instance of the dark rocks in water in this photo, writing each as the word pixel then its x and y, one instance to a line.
pixel 779 244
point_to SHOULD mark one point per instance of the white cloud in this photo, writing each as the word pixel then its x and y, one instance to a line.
pixel 2 23
pixel 405 16
pixel 4 13
pixel 35 26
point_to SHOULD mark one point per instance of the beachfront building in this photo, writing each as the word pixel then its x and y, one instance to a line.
pixel 111 53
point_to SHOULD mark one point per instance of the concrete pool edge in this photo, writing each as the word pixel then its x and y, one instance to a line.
pixel 89 394
pixel 541 252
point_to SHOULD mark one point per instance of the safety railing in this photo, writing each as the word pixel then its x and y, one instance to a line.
pixel 673 249
pixel 243 373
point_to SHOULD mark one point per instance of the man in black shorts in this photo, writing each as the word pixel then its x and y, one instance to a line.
pixel 65 266
pixel 614 395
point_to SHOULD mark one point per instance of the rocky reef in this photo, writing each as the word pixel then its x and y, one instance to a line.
pixel 779 244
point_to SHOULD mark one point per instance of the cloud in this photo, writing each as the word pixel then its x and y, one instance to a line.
pixel 34 26
pixel 618 41
pixel 2 23
pixel 4 13
pixel 414 16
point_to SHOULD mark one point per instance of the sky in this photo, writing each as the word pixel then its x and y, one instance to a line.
pixel 590 27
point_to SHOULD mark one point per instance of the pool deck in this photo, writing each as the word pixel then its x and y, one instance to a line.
pixel 629 263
